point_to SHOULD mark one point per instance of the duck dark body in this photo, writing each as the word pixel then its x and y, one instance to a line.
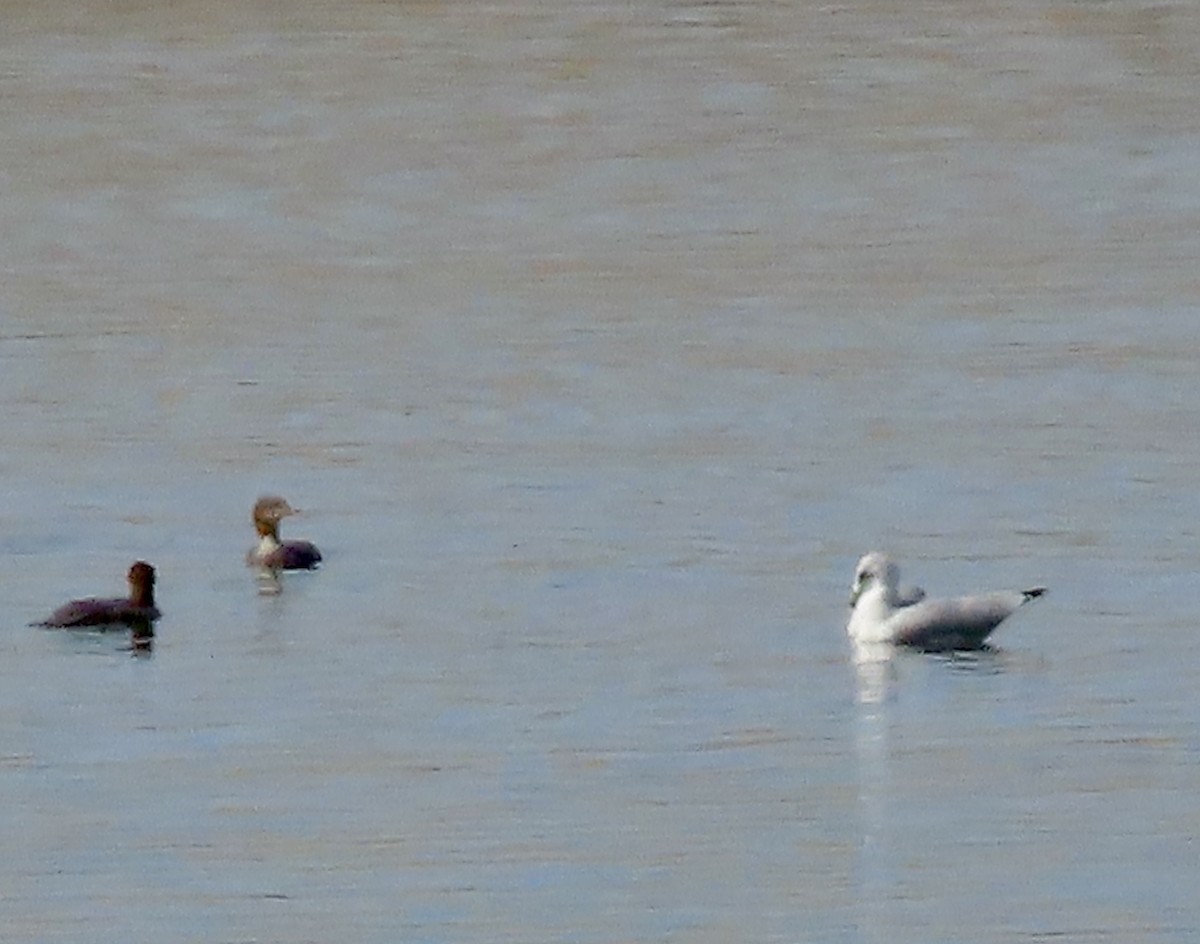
pixel 292 555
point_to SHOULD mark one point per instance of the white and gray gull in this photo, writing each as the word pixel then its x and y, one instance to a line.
pixel 883 612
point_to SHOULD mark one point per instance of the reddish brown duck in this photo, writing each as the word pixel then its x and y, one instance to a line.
pixel 138 611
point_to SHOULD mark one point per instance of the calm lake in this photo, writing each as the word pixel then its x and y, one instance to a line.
pixel 597 341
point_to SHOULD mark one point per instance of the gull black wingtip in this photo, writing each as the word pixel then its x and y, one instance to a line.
pixel 1034 593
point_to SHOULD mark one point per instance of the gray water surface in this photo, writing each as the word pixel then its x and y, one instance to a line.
pixel 597 341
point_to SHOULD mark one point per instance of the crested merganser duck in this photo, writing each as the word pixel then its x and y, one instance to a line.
pixel 270 552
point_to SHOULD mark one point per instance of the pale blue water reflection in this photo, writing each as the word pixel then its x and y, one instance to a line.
pixel 598 343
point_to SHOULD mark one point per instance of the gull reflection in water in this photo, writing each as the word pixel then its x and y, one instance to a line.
pixel 875 871
pixel 875 671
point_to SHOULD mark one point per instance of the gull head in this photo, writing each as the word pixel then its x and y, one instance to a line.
pixel 875 571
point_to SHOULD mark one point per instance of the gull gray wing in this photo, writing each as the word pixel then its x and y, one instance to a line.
pixel 908 595
pixel 959 623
